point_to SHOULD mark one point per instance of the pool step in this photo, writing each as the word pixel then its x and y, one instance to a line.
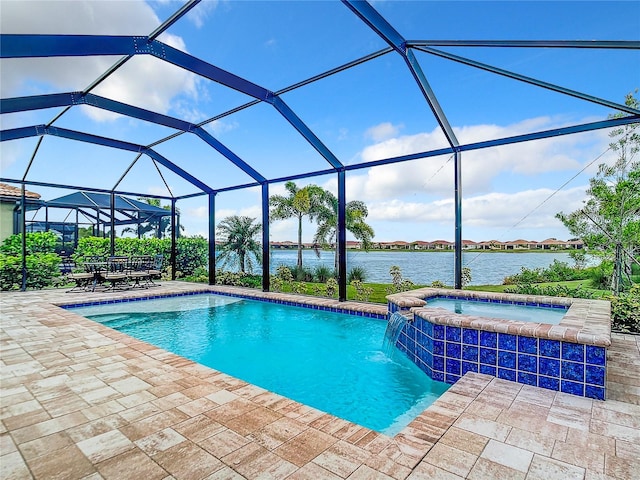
pixel 121 321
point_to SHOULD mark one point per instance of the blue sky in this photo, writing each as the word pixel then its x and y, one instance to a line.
pixel 369 112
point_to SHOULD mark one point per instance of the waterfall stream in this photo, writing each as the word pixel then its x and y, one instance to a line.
pixel 396 323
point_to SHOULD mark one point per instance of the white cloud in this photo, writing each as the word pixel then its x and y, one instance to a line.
pixel 495 210
pixel 9 153
pixel 220 127
pixel 254 211
pixel 163 82
pixel 199 14
pixel 158 190
pixel 199 212
pixel 382 131
pixel 480 168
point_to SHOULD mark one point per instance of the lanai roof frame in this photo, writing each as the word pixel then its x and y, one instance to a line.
pixel 23 46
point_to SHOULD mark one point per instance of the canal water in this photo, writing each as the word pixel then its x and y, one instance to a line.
pixel 425 267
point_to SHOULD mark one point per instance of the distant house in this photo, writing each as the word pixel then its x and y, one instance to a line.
pixel 284 245
pixel 10 198
pixel 518 245
pixel 441 245
pixel 420 245
pixel 469 245
pixel 576 244
pixel 553 244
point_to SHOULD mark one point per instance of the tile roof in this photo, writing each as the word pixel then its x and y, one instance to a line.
pixel 10 191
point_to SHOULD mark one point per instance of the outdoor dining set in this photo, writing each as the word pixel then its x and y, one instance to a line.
pixel 115 272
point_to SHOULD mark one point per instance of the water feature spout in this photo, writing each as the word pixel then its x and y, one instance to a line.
pixel 396 323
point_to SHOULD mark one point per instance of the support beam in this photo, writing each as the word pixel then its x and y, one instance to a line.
pixel 223 150
pixel 377 23
pixel 34 46
pixel 85 189
pixel 457 182
pixel 389 34
pixel 341 237
pixel 305 131
pixel 605 44
pixel 530 80
pixel 212 238
pixel 173 239
pixel 266 279
pixel 112 223
pixel 430 97
pixel 37 130
pixel 23 229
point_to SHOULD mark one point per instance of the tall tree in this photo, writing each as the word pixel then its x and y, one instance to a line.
pixel 609 221
pixel 238 242
pixel 299 203
pixel 327 217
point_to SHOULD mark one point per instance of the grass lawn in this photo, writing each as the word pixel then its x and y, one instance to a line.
pixel 379 290
pixel 586 284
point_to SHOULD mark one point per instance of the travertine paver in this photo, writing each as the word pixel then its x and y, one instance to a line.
pixel 81 401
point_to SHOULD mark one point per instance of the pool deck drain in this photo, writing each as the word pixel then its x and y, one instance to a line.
pixel 82 401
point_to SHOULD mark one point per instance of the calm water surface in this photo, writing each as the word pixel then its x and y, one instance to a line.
pixel 425 267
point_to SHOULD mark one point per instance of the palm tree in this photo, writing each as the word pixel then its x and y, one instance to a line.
pixel 238 244
pixel 356 212
pixel 299 203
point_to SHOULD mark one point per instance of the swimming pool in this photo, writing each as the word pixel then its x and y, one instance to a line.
pixel 331 361
pixel 508 311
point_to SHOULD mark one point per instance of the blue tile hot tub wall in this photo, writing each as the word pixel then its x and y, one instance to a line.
pixel 447 352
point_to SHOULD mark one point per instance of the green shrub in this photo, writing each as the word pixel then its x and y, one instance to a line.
pixel 200 275
pixel 466 276
pixel 399 284
pixel 625 311
pixel 600 276
pixel 299 288
pixel 550 290
pixel 191 252
pixel 331 287
pixel 302 274
pixel 556 272
pixel 43 269
pixel 322 273
pixel 237 279
pixel 362 293
pixel 357 274
pixel 91 247
pixel 284 273
pixel 37 242
pixel 10 272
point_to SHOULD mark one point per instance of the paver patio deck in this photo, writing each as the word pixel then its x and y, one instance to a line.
pixel 82 401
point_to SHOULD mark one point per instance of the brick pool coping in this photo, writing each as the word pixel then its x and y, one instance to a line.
pixel 80 400
pixel 587 321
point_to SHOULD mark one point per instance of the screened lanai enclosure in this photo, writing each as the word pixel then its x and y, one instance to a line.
pixel 214 106
pixel 99 212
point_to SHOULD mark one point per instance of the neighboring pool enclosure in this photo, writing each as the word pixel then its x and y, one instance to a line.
pixel 384 52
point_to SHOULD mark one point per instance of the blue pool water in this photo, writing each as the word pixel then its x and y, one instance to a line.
pixel 508 311
pixel 333 362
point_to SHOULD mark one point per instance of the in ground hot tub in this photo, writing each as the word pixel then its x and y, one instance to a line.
pixel 569 356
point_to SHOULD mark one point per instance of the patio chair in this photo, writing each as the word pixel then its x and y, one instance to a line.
pixel 82 277
pixel 116 273
pixel 138 271
pixel 155 269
